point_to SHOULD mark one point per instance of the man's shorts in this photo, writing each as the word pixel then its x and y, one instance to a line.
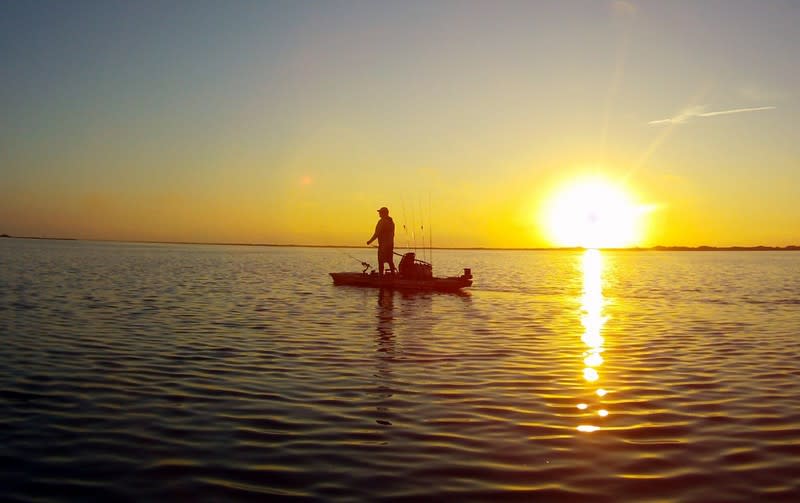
pixel 385 253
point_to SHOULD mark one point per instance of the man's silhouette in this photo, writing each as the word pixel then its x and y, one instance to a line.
pixel 384 233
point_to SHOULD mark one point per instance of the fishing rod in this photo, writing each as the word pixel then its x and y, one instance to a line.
pixel 365 264
pixel 405 220
pixel 430 228
pixel 401 255
pixel 427 250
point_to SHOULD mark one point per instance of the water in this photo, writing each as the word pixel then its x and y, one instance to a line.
pixel 188 372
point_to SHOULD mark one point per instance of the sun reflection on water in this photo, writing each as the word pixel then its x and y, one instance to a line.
pixel 593 320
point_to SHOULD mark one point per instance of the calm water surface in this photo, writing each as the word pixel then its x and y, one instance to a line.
pixel 170 372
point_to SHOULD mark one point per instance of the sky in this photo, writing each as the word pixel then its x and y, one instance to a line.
pixel 291 122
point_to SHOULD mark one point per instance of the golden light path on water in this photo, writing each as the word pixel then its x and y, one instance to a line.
pixel 592 319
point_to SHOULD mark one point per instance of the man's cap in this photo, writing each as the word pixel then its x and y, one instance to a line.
pixel 383 209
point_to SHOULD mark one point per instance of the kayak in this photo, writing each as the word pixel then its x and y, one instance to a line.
pixel 413 274
pixel 397 282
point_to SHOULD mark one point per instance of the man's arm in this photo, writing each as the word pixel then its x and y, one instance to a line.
pixel 375 234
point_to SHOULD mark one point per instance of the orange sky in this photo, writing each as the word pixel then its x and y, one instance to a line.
pixel 291 124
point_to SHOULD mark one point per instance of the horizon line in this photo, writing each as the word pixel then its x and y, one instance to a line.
pixel 498 248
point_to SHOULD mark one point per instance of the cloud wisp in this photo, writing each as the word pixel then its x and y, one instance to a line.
pixel 700 111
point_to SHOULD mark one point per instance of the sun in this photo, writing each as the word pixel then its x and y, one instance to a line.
pixel 593 213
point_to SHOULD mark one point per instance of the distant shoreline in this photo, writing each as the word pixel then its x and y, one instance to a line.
pixel 633 249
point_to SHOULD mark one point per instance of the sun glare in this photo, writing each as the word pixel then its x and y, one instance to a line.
pixel 593 213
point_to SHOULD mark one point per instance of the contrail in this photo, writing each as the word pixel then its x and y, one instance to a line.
pixel 736 111
pixel 699 112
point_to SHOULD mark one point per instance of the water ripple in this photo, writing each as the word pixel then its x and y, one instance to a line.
pixel 165 372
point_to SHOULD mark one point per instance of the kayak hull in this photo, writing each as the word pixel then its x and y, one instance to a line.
pixel 396 282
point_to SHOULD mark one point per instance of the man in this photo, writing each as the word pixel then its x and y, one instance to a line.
pixel 384 233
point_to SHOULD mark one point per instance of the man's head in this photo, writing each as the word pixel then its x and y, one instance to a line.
pixel 384 211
